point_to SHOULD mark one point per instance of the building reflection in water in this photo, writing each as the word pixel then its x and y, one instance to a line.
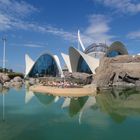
pixel 117 103
pixel 3 91
pixel 120 103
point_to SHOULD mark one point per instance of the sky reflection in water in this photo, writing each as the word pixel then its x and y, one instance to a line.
pixel 112 114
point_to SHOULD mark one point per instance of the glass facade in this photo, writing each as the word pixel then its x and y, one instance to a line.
pixel 44 66
pixel 82 66
pixel 113 53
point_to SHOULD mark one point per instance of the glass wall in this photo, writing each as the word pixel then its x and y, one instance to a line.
pixel 44 66
pixel 82 66
pixel 113 53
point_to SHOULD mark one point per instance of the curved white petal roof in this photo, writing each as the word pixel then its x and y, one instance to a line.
pixel 30 63
pixel 75 54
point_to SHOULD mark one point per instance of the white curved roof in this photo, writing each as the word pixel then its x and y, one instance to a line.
pixel 67 61
pixel 30 63
pixel 117 46
pixel 75 54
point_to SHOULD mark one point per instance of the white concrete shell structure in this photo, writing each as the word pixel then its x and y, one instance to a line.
pixel 87 55
pixel 30 63
pixel 75 56
pixel 115 49
pixel 90 56
pixel 67 61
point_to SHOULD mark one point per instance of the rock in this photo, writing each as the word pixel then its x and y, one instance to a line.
pixel 17 79
pixel 37 81
pixel 7 84
pixel 119 70
pixel 16 84
pixel 4 78
pixel 123 84
pixel 82 78
pixel 32 81
pixel 11 80
pixel 137 83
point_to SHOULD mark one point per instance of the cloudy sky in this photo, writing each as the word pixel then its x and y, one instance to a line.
pixel 36 26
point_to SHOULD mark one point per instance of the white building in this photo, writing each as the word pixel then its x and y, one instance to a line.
pixel 45 65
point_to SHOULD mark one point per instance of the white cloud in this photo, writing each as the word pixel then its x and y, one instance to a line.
pixel 13 14
pixel 13 19
pixel 60 32
pixel 124 6
pixel 4 22
pixel 16 8
pixel 134 35
pixel 98 30
pixel 33 45
pixel 30 45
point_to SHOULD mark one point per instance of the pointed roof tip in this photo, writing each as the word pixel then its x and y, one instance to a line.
pixel 80 41
pixel 27 56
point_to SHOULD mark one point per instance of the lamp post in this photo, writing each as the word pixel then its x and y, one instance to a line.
pixel 4 52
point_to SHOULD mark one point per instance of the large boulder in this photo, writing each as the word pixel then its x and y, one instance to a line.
pixel 82 78
pixel 32 81
pixel 7 84
pixel 4 78
pixel 121 70
pixel 17 79
pixel 16 84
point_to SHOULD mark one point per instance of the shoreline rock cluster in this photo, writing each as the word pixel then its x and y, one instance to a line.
pixel 6 82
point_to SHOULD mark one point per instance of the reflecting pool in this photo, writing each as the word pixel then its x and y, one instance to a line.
pixel 112 114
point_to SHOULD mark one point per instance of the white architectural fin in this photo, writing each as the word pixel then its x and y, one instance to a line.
pixel 28 64
pixel 28 96
pixel 89 103
pixel 66 102
pixel 75 54
pixel 67 61
pixel 58 65
pixel 80 41
pixel 56 99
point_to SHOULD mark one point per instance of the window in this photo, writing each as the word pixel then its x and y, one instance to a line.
pixel 113 53
pixel 44 66
pixel 82 66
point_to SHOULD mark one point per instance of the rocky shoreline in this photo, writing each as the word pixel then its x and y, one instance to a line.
pixel 7 82
pixel 119 71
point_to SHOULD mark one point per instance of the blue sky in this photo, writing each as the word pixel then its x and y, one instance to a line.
pixel 36 26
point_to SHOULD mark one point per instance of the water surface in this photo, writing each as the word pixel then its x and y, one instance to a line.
pixel 113 114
